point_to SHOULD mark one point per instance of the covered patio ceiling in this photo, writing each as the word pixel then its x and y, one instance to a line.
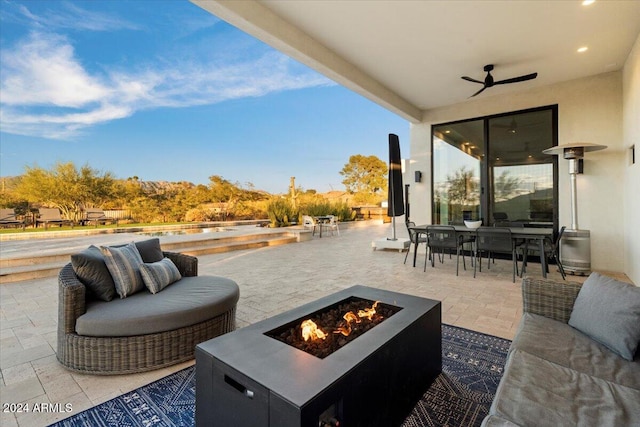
pixel 408 56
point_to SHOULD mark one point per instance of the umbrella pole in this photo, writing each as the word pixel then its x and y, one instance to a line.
pixel 393 221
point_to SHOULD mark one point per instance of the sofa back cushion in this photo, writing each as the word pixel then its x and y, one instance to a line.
pixel 150 250
pixel 608 311
pixel 90 268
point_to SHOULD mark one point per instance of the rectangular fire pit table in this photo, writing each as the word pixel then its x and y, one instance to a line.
pixel 247 378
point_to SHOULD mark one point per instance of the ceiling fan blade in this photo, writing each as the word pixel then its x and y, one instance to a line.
pixel 517 79
pixel 478 92
pixel 469 79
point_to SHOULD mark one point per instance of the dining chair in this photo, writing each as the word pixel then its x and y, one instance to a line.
pixel 415 239
pixel 500 216
pixel 510 224
pixel 441 238
pixel 309 223
pixel 331 225
pixel 492 240
pixel 551 252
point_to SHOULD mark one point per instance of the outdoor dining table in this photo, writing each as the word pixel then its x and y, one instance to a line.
pixel 517 233
pixel 321 219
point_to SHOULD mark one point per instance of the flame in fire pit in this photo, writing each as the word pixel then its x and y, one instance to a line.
pixel 311 331
pixel 351 317
pixel 368 312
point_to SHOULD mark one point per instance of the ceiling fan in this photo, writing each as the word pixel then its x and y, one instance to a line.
pixel 489 82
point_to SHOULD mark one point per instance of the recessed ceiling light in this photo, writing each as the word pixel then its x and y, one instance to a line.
pixel 583 49
pixel 588 2
pixel 447 131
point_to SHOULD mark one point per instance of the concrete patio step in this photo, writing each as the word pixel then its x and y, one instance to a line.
pixel 37 267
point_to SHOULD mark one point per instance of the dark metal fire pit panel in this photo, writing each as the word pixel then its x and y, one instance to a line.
pixel 374 380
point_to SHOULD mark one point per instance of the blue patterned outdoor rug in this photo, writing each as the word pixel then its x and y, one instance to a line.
pixel 472 365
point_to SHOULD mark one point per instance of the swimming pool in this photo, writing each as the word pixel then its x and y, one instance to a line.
pixel 184 231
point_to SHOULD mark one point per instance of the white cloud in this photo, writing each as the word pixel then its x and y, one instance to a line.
pixel 71 16
pixel 47 92
pixel 43 71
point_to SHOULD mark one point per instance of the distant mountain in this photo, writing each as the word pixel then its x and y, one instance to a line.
pixel 156 187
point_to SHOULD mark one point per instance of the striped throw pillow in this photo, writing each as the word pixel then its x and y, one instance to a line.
pixel 124 265
pixel 158 275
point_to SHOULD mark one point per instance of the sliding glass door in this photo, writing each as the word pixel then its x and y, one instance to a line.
pixel 492 168
pixel 457 168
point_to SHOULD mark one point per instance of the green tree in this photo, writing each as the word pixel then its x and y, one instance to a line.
pixel 365 176
pixel 228 193
pixel 462 192
pixel 505 186
pixel 130 196
pixel 66 187
pixel 462 188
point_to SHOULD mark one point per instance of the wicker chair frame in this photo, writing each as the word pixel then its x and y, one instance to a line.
pixel 126 355
pixel 549 298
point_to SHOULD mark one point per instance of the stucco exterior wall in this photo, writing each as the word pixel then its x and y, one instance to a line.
pixel 589 110
pixel 631 136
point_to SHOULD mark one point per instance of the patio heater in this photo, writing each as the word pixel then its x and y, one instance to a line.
pixel 575 246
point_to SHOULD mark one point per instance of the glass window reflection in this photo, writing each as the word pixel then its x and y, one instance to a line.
pixel 494 169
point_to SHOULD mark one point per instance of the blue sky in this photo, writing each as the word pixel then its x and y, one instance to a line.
pixel 163 90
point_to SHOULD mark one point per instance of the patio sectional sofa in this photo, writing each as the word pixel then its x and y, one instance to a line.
pixel 574 360
pixel 103 330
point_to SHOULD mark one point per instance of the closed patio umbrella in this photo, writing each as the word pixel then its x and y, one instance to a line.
pixel 395 200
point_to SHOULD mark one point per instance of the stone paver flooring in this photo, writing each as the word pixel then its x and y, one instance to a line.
pixel 271 280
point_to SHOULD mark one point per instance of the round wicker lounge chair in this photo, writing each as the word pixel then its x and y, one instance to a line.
pixel 108 355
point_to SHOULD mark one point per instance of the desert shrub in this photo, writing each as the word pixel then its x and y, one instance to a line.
pixel 199 215
pixel 281 213
pixel 341 210
pixel 317 208
pixel 251 209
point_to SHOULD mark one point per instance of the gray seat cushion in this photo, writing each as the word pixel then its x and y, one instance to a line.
pixel 560 343
pixel 556 375
pixel 537 392
pixel 189 301
pixel 496 421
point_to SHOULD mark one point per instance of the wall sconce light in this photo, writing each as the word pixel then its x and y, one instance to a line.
pixel 418 176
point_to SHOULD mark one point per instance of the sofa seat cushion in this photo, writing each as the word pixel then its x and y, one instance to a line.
pixel 189 301
pixel 536 391
pixel 560 343
pixel 496 421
